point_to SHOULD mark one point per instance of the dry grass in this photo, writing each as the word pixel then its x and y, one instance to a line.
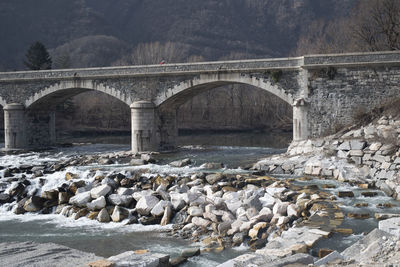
pixel 390 107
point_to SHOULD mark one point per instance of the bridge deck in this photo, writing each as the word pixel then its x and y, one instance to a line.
pixel 307 62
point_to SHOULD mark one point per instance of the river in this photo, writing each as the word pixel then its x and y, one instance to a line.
pixel 234 150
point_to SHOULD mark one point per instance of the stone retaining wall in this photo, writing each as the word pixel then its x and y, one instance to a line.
pixel 369 155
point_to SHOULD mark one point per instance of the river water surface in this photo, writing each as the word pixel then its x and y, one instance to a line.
pixel 234 150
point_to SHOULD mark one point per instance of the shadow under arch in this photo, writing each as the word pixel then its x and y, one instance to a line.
pixel 41 110
pixel 63 90
pixel 169 101
pixel 180 93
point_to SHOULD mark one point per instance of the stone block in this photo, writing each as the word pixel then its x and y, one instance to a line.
pixel 329 258
pixel 101 263
pixel 366 248
pixel 391 226
pixel 344 146
pixel 356 160
pixel 342 154
pixel 132 259
pixel 357 144
pixel 375 146
pixel 357 153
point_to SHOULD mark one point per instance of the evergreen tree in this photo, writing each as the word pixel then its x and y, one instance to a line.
pixel 37 57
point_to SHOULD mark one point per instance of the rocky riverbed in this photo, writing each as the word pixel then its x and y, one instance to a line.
pixel 282 219
pixel 216 209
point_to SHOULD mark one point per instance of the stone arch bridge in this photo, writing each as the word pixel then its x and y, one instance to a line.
pixel 324 91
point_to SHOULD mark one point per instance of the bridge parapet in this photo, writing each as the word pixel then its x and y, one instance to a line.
pixel 156 70
pixel 388 58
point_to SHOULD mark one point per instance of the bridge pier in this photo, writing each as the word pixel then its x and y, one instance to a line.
pixel 300 125
pixel 143 132
pixel 14 126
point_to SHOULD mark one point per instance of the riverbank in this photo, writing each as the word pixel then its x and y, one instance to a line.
pixel 213 206
pixel 366 157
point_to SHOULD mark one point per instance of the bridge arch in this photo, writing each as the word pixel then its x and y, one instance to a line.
pixel 69 88
pixel 170 99
pixel 189 88
pixel 40 109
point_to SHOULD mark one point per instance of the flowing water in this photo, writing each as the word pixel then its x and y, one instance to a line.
pixel 234 150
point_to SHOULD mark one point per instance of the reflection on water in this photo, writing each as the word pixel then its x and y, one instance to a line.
pixel 263 139
pixel 246 139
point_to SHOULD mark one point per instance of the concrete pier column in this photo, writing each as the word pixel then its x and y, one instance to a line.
pixel 14 126
pixel 143 126
pixel 300 120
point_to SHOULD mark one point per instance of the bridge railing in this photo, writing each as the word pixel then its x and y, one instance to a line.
pixel 307 62
pixel 352 59
pixel 157 70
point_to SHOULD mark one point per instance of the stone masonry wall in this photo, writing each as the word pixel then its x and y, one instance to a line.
pixel 337 94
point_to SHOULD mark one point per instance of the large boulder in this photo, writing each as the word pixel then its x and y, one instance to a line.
pixel 81 199
pixel 4 198
pixel 146 204
pixel 110 182
pixel 97 204
pixel 166 216
pixel 196 199
pixel 119 214
pixel 145 258
pixel 100 191
pixel 125 191
pixel 180 163
pixel 367 248
pixel 63 197
pixel 390 226
pixel 120 200
pixel 214 178
pixel 137 162
pixel 103 216
pixel 267 201
pixel 178 200
pixel 50 195
pixel 33 204
pixel 280 208
pixel 16 189
pixel 201 222
pixel 212 166
pixel 159 208
pixel 195 211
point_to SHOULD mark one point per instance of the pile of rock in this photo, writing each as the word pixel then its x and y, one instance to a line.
pixel 380 246
pixel 216 208
pixel 355 156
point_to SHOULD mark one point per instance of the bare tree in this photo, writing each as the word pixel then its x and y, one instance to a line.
pixel 154 53
pixel 377 24
pixel 373 25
